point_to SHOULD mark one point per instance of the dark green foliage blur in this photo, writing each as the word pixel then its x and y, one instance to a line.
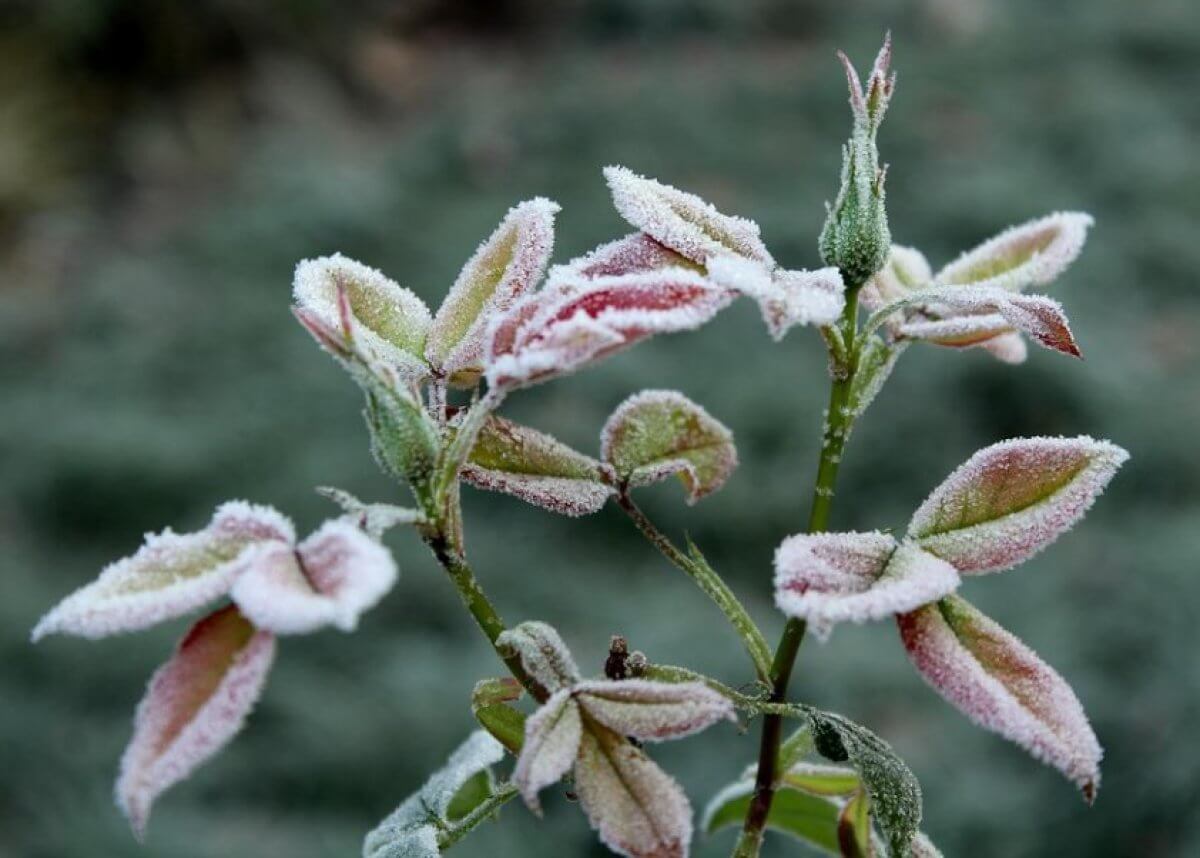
pixel 162 168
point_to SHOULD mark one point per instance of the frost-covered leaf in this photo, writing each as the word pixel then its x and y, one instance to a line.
pixel 575 321
pixel 552 737
pixel 489 705
pixel 537 468
pixel 331 578
pixel 893 789
pixel 411 830
pixel 819 779
pixel 922 847
pixel 854 827
pixel 195 704
pixel 786 298
pixel 905 271
pixel 404 440
pixel 374 519
pixel 830 578
pixel 876 360
pixel 171 575
pixel 1012 499
pixel 1032 254
pixel 1008 347
pixel 808 818
pixel 1000 684
pixel 653 711
pixel 637 809
pixel 682 221
pixel 970 315
pixel 389 323
pixel 657 433
pixel 507 265
pixel 633 254
pixel 543 654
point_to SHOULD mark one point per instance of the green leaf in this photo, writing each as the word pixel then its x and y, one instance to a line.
pixel 854 827
pixel 657 433
pixel 809 818
pixel 403 437
pixel 875 363
pixel 891 785
pixel 537 468
pixel 489 705
pixel 821 780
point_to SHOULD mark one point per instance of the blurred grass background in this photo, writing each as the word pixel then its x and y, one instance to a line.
pixel 162 168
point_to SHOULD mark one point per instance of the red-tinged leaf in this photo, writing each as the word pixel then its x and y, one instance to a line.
pixel 330 579
pixel 653 711
pixel 967 315
pixel 336 296
pixel 572 323
pixel 1012 499
pixel 507 265
pixel 543 654
pixel 1032 254
pixel 656 433
pixel 854 827
pixel 636 253
pixel 552 737
pixel 637 809
pixel 195 704
pixel 830 578
pixel 537 468
pixel 1000 684
pixel 682 221
pixel 171 575
pixel 786 298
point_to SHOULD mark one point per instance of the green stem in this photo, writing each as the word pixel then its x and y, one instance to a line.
pixel 710 582
pixel 484 811
pixel 837 428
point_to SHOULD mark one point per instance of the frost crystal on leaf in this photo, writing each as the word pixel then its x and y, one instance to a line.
pixel 829 578
pixel 171 575
pixel 905 271
pixel 634 254
pixel 537 468
pixel 1012 499
pixel 506 266
pixel 681 221
pixel 194 705
pixel 374 519
pixel 411 830
pixel 637 809
pixel 971 315
pixel 653 711
pixel 331 578
pixel 388 321
pixel 573 322
pixel 1032 254
pixel 542 653
pixel 1000 684
pixel 786 298
pixel 657 433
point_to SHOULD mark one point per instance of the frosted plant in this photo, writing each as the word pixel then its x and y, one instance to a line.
pixel 434 383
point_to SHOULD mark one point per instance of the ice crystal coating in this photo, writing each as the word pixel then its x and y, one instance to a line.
pixel 905 271
pixel 537 468
pixel 505 266
pixel 374 519
pixel 1012 499
pixel 1001 685
pixel 971 315
pixel 331 578
pixel 653 711
pixel 171 575
pixel 637 809
pixel 411 830
pixel 636 253
pixel 552 737
pixel 542 653
pixel 786 298
pixel 681 221
pixel 656 433
pixel 575 321
pixel 876 360
pixel 1031 254
pixel 389 322
pixel 829 578
pixel 195 704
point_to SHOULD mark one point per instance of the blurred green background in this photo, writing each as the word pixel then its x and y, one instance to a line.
pixel 162 168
